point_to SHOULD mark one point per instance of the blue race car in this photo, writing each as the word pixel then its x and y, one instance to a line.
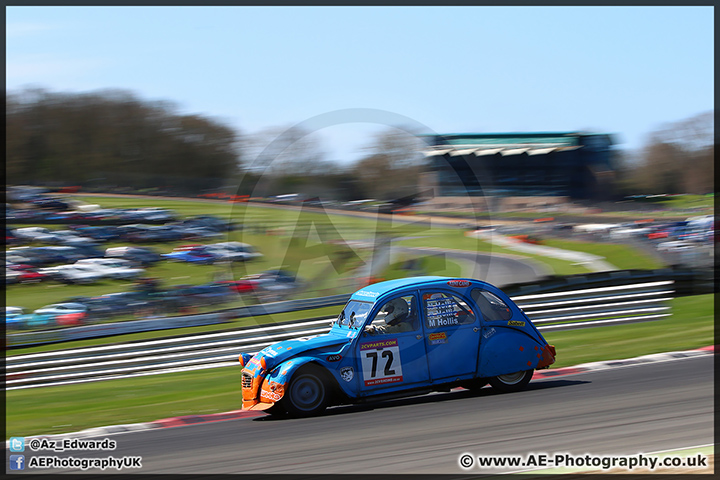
pixel 399 338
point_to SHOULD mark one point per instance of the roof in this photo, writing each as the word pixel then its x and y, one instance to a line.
pixel 481 144
pixel 504 150
pixel 376 289
pixel 372 292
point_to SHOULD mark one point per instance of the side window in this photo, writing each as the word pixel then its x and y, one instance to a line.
pixel 491 307
pixel 443 309
pixel 396 316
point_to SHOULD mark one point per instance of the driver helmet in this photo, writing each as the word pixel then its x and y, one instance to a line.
pixel 396 311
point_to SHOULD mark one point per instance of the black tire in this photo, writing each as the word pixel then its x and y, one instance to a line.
pixel 307 394
pixel 512 382
pixel 276 410
pixel 474 384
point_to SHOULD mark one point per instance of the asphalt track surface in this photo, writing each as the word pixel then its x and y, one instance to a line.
pixel 621 411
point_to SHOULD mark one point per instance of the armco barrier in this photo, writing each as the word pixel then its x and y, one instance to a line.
pixel 687 282
pixel 579 308
pixel 135 326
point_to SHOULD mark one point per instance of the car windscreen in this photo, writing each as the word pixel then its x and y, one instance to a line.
pixel 354 314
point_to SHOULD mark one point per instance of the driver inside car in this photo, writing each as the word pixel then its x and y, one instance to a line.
pixel 396 318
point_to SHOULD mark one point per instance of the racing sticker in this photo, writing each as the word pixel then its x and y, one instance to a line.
pixel 459 283
pixel 440 312
pixel 437 338
pixel 381 362
pixel 347 373
pixel 516 323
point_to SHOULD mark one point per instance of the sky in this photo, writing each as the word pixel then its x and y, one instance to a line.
pixel 346 73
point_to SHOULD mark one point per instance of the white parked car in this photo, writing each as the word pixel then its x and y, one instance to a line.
pixel 233 251
pixel 113 267
pixel 61 309
pixel 674 246
pixel 79 274
pixel 35 234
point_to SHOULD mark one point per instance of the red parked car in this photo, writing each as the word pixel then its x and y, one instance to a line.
pixel 71 319
pixel 28 273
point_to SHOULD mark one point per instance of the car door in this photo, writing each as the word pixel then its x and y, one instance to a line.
pixel 452 335
pixel 394 359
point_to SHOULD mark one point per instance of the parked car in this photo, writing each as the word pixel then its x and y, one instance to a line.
pixel 242 286
pixel 233 251
pixel 61 309
pixel 115 268
pixel 199 255
pixel 27 273
pixel 275 284
pixel 97 233
pixel 14 318
pixel 11 276
pixel 71 319
pixel 76 274
pixel 139 255
pixel 675 246
pixel 68 237
pixel 397 338
pixel 34 234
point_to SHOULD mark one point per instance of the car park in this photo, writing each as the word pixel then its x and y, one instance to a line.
pixel 398 338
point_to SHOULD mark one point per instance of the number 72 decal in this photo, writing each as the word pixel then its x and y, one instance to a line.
pixel 381 362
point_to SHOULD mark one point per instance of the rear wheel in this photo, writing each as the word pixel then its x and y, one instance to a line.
pixel 512 382
pixel 307 394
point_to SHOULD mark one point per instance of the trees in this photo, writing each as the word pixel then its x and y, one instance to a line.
pixel 393 166
pixel 679 157
pixel 112 138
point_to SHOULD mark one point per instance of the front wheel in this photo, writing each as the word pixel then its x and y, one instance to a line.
pixel 306 396
pixel 512 382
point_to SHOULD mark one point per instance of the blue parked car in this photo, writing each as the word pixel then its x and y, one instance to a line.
pixel 16 318
pixel 199 255
pixel 398 338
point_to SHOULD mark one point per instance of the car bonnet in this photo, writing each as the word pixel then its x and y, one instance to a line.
pixel 277 353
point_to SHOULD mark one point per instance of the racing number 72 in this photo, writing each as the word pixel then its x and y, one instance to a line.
pixel 387 370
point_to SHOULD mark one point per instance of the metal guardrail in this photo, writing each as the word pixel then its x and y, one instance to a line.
pixel 26 339
pixel 554 311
